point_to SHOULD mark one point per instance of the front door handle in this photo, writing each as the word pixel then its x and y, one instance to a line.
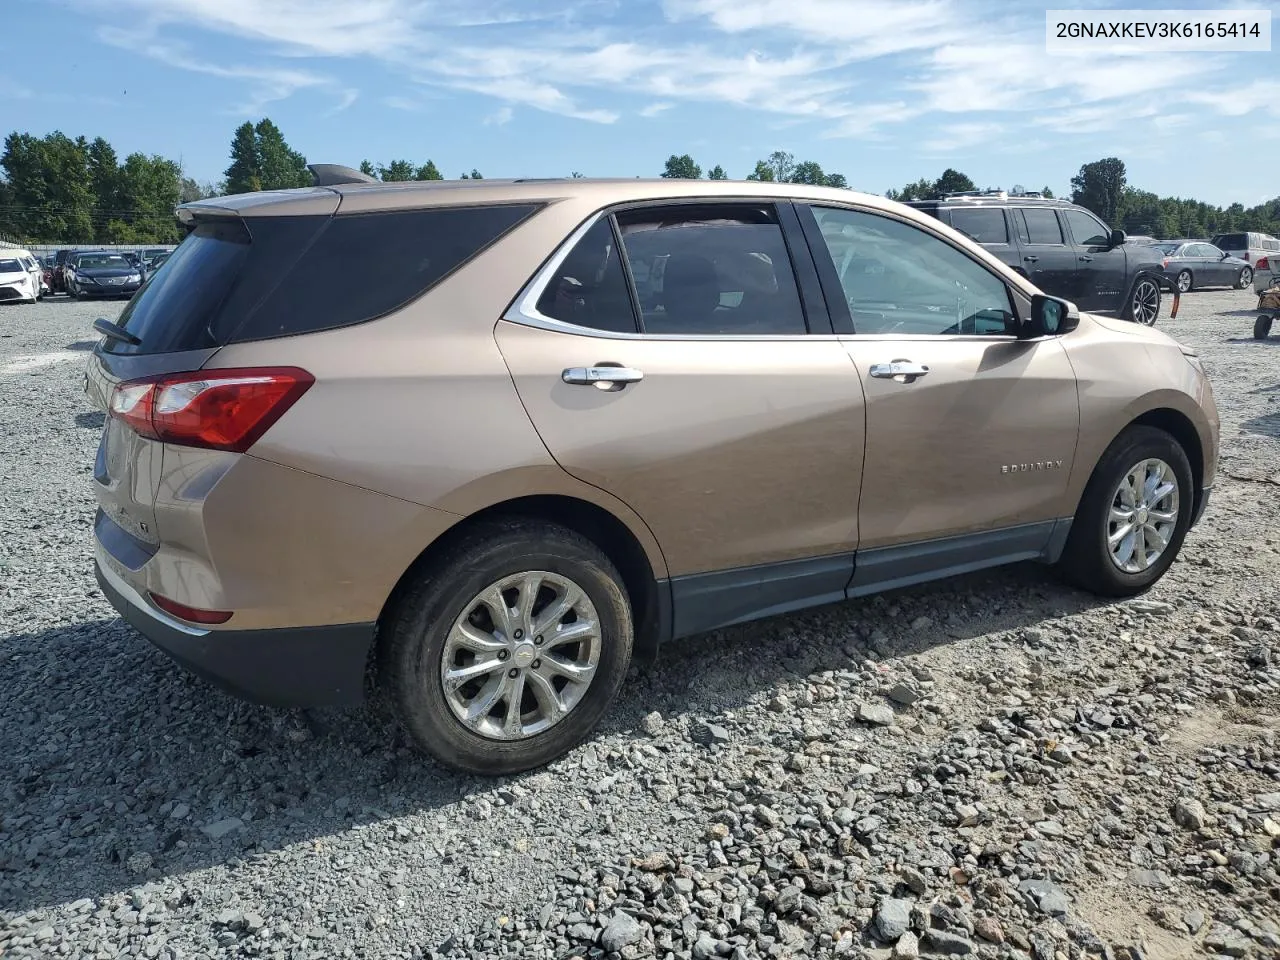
pixel 603 377
pixel 1086 259
pixel 1031 259
pixel 904 371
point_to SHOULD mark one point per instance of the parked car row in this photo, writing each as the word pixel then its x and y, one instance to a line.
pixel 1063 248
pixel 59 268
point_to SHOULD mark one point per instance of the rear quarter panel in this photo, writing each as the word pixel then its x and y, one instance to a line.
pixel 419 405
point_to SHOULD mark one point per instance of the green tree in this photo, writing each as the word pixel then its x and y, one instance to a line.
pixel 428 171
pixel 245 173
pixel 762 172
pixel 396 172
pixel 149 189
pixel 1047 192
pixel 837 180
pixel 575 175
pixel 473 175
pixel 717 173
pixel 953 181
pixel 681 168
pixel 1100 186
pixel 367 169
pixel 104 181
pixel 49 195
pixel 281 166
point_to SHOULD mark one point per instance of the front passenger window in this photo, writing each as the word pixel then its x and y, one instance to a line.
pixel 900 279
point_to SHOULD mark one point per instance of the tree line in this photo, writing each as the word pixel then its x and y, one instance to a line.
pixel 1102 186
pixel 779 167
pixel 62 190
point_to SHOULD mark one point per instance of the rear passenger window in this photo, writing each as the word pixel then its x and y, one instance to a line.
pixel 364 266
pixel 233 280
pixel 590 287
pixel 714 269
pixel 985 225
pixel 1042 226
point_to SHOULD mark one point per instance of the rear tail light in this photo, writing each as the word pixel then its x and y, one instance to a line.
pixel 1263 263
pixel 190 614
pixel 215 409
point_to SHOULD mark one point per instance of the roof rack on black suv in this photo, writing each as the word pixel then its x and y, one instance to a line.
pixel 1061 247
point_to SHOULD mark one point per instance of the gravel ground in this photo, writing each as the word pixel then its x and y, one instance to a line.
pixel 993 766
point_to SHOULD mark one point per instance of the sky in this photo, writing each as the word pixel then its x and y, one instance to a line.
pixel 884 92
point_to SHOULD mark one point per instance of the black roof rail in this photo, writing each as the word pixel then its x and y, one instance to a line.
pixel 333 174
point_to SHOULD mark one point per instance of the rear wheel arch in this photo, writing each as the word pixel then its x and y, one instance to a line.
pixel 613 537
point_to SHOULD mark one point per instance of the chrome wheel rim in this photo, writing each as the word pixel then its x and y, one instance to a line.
pixel 521 655
pixel 1143 516
pixel 1184 282
pixel 1146 302
pixel 1246 277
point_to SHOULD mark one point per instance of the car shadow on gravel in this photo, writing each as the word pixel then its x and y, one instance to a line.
pixel 85 345
pixel 91 420
pixel 122 768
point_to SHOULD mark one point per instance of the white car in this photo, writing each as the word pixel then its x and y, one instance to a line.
pixel 17 280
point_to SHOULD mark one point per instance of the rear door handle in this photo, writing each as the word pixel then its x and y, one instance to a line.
pixel 904 371
pixel 1031 259
pixel 1086 259
pixel 603 377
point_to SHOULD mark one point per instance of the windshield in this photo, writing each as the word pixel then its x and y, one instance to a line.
pixel 10 266
pixel 1167 248
pixel 102 260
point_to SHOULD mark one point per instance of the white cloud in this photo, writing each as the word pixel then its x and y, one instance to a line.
pixel 957 137
pixel 499 117
pixel 397 102
pixel 846 68
pixel 349 96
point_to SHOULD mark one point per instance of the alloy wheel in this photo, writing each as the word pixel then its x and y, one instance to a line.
pixel 1246 277
pixel 1146 302
pixel 521 656
pixel 1143 515
pixel 1184 281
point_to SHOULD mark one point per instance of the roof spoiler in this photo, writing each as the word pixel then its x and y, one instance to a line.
pixel 333 174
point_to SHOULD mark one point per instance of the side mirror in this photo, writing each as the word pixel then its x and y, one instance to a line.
pixel 1226 256
pixel 1050 317
pixel 1117 237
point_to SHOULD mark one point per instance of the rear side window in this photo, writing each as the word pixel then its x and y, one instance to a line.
pixel 985 225
pixel 722 269
pixel 234 281
pixel 1231 241
pixel 590 287
pixel 1042 226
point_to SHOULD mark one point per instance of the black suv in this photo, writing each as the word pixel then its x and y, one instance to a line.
pixel 1062 248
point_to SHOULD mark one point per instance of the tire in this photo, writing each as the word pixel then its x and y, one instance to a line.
pixel 1087 560
pixel 1262 327
pixel 1143 305
pixel 1185 281
pixel 416 640
pixel 1245 278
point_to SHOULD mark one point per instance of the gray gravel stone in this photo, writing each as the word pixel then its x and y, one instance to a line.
pixel 1050 736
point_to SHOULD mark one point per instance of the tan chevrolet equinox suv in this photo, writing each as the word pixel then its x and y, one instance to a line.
pixel 473 445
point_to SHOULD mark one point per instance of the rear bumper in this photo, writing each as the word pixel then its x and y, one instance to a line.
pixel 303 667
